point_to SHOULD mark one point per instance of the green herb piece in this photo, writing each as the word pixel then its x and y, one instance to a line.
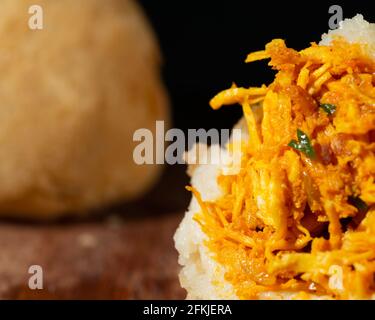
pixel 303 144
pixel 328 108
pixel 358 203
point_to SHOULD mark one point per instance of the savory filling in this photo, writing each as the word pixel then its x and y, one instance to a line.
pixel 300 216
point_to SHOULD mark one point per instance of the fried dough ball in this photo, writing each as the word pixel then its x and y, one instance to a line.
pixel 71 96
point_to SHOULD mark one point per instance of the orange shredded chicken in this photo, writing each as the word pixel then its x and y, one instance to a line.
pixel 299 217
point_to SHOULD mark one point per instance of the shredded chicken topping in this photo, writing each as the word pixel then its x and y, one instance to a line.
pixel 299 217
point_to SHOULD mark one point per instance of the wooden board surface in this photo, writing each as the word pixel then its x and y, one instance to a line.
pixel 111 259
pixel 120 253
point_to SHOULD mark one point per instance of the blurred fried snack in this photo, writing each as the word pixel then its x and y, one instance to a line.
pixel 71 97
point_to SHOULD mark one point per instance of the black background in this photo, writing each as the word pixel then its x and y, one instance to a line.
pixel 204 44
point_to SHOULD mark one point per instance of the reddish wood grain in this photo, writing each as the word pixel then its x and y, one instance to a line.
pixel 113 258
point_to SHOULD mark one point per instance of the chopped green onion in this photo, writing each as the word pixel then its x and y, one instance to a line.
pixel 328 108
pixel 294 144
pixel 358 203
pixel 303 144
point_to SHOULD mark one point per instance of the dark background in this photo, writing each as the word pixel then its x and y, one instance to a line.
pixel 204 44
